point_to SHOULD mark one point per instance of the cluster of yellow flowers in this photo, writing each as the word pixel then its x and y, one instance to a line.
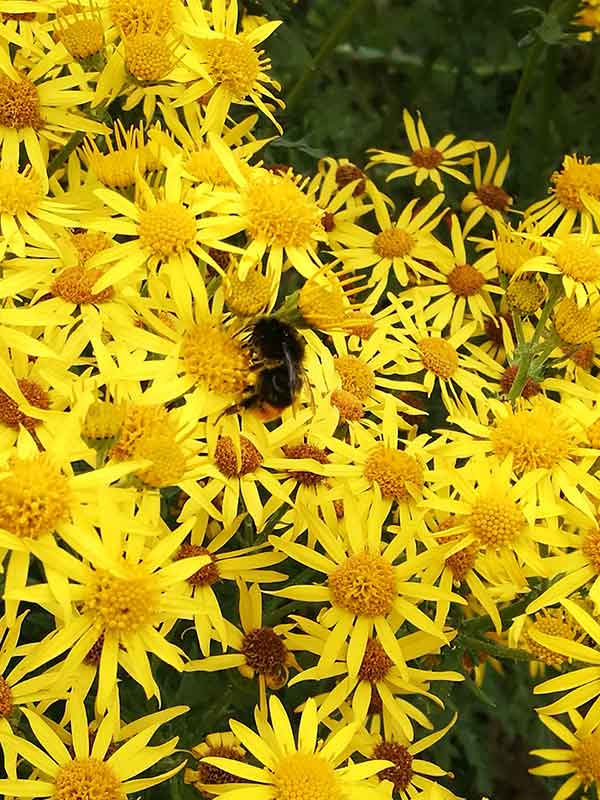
pixel 217 383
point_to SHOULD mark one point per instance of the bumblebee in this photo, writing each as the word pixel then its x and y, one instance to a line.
pixel 277 355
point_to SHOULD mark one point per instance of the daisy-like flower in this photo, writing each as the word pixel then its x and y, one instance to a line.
pixel 577 760
pixel 118 604
pixel 249 564
pixel 263 651
pixel 307 770
pixel 379 688
pixel 497 515
pixel 574 258
pixel 409 777
pixel 552 622
pixel 488 196
pixel 128 155
pixel 233 70
pixel 280 218
pixel 543 440
pixel 89 767
pixel 439 358
pixel 36 107
pixel 426 162
pixel 576 182
pixel 203 775
pixel 162 229
pixel 366 593
pixel 459 289
pixel 401 246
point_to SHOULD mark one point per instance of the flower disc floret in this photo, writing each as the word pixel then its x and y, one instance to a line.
pixel 306 450
pixel 167 229
pixel 393 243
pixel 364 584
pixel 246 298
pixel 204 165
pixel 214 357
pixel 575 325
pixel 461 562
pixel 206 575
pixel 438 356
pixel 349 406
pixel 357 377
pixel 20 192
pixel 82 37
pixel 305 776
pixel 375 664
pixel 122 604
pixel 496 521
pixel 578 260
pixel 586 759
pixel 233 64
pixel 148 57
pixel 278 212
pixel 494 197
pixel 74 284
pixel 426 157
pixel 34 497
pixel 398 475
pixel 465 280
pixel 401 773
pixel 591 549
pixel 574 178
pixel 264 651
pixel 11 415
pixel 135 16
pixel 535 438
pixel 550 624
pixel 19 104
pixel 6 701
pixel 525 296
pixel 230 464
pixel 87 779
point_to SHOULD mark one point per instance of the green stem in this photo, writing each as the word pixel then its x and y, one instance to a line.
pixel 476 644
pixel 555 291
pixel 327 46
pixel 521 377
pixel 63 154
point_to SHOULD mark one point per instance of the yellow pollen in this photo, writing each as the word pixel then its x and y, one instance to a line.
pixel 278 212
pixel 212 356
pixel 578 260
pixel 575 325
pixel 574 178
pixel 137 16
pixel 591 549
pixel 206 575
pixel 304 776
pixel 512 252
pixel 103 420
pixel 536 438
pixel 393 243
pixel 11 415
pixel 74 284
pixel 148 57
pixel 350 407
pixel 465 280
pixel 19 104
pixel 204 165
pixel 364 585
pixel 494 197
pixel 496 521
pixel 6 701
pixel 398 475
pixel 20 192
pixel 233 64
pixel 586 759
pixel 81 37
pixel 360 323
pixel 525 295
pixel 88 243
pixel 116 169
pixel 166 229
pixel 34 497
pixel 426 157
pixel 357 377
pixel 87 779
pixel 121 604
pixel 400 775
pixel 248 297
pixel 230 463
pixel 552 623
pixel 439 357
pixel 375 664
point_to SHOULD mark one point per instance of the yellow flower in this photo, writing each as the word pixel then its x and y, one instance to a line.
pixel 90 767
pixel 427 161
pixel 574 188
pixel 366 592
pixel 233 70
pixel 488 196
pixel 308 770
pixel 580 758
pixel 399 246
